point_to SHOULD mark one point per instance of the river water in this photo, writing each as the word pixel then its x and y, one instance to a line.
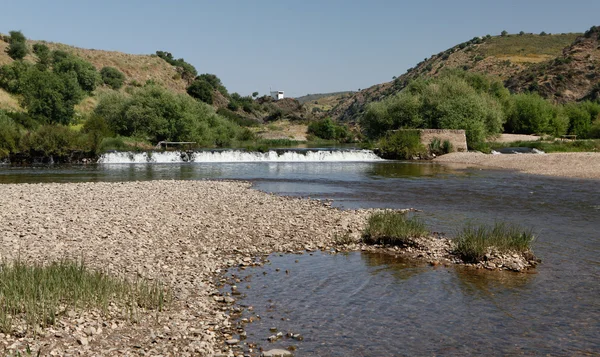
pixel 362 304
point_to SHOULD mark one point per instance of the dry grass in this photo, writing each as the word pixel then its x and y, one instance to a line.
pixel 283 129
pixel 526 45
pixel 9 102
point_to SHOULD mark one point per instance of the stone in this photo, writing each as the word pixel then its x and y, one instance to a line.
pixel 232 341
pixel 277 353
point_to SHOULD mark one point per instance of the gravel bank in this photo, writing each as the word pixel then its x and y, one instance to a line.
pixel 573 164
pixel 180 232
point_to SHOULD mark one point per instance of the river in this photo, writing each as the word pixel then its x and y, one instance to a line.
pixel 369 305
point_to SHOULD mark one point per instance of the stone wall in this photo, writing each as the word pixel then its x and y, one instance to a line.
pixel 457 138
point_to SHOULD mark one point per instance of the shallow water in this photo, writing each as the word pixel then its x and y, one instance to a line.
pixel 354 304
pixel 365 304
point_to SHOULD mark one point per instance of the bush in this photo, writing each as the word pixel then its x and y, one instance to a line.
pixel 112 77
pixel 51 140
pixel 437 147
pixel 201 90
pixel 532 114
pixel 17 48
pixel 86 74
pixel 474 242
pixel 108 144
pixel 44 55
pixel 393 228
pixel 9 135
pixel 403 144
pixel 156 114
pixel 96 129
pixel 454 100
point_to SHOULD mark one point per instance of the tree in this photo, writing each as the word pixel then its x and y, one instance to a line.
pixel 503 33
pixel 17 48
pixel 254 94
pixel 521 33
pixel 50 97
pixel 44 56
pixel 86 74
pixel 201 90
pixel 112 77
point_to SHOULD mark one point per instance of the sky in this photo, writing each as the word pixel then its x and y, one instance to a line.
pixel 300 47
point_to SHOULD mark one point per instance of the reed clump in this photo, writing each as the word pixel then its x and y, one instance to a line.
pixel 38 294
pixel 394 228
pixel 474 242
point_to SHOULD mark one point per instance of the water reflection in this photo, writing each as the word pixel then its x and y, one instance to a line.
pixel 485 282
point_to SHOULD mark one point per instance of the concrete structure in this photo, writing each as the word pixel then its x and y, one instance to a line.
pixel 277 94
pixel 457 138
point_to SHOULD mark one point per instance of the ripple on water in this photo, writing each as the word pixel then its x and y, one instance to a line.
pixel 366 304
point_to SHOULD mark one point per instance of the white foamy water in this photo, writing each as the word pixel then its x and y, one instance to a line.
pixel 238 156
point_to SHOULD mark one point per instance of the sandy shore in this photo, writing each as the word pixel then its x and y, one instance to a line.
pixel 576 164
pixel 180 232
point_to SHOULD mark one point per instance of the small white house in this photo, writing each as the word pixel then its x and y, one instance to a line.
pixel 277 95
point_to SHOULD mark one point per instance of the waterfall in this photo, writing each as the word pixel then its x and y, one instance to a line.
pixel 239 156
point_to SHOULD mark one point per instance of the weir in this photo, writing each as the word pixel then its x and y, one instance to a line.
pixel 231 156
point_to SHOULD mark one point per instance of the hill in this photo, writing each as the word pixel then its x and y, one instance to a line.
pixel 518 60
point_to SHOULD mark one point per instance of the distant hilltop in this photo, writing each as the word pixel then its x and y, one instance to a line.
pixel 560 67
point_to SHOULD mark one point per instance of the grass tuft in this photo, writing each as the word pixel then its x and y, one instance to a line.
pixel 393 228
pixel 37 294
pixel 475 241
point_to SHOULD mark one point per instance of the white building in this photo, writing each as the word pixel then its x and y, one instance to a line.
pixel 277 95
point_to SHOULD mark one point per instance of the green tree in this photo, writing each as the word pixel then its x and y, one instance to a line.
pixel 17 48
pixel 50 97
pixel 503 33
pixel 86 74
pixel 201 90
pixel 532 114
pixel 254 94
pixel 9 135
pixel 112 77
pixel 12 76
pixel 44 55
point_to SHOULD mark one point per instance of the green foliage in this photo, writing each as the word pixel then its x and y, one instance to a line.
pixel 86 74
pixel 254 94
pixel 156 114
pixel 403 144
pixel 11 76
pixel 112 144
pixel 112 77
pixel 503 33
pixel 437 147
pixel 9 135
pixel 236 118
pixel 475 241
pixel 96 129
pixel 581 118
pixel 187 71
pixel 327 129
pixel 17 48
pixel 454 100
pixel 51 140
pixel 50 97
pixel 44 55
pixel 393 228
pixel 201 90
pixel 35 293
pixel 532 114
pixel 215 83
pixel 556 145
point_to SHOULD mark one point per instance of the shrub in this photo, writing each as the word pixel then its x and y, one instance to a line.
pixel 437 147
pixel 112 144
pixel 96 128
pixel 532 114
pixel 9 135
pixel 51 140
pixel 403 144
pixel 17 48
pixel 86 74
pixel 393 228
pixel 201 90
pixel 503 33
pixel 474 242
pixel 112 77
pixel 156 114
pixel 44 55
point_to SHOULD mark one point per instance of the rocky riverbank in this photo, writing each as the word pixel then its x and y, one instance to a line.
pixel 182 233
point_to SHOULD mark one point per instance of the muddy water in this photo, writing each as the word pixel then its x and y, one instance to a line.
pixel 347 305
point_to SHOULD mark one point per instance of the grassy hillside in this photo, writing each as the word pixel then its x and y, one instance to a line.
pixel 505 57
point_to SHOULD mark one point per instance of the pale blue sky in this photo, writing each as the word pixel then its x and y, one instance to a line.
pixel 297 46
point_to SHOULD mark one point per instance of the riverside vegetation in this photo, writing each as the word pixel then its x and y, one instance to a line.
pixel 60 105
pixel 475 244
